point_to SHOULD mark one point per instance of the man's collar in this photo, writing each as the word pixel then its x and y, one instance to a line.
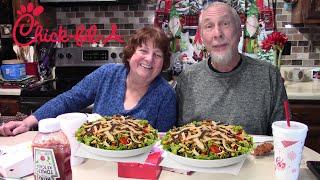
pixel 215 70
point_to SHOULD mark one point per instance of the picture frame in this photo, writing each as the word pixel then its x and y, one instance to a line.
pixel 5 30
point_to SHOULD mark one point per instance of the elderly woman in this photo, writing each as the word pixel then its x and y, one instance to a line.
pixel 134 88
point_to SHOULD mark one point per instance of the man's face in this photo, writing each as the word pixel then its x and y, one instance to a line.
pixel 220 34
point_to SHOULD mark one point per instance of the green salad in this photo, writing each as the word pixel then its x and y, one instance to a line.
pixel 207 140
pixel 117 133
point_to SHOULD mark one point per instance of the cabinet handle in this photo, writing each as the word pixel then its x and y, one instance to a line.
pixel 3 108
pixel 299 116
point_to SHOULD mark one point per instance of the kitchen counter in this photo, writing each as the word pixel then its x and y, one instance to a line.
pixel 10 92
pixel 303 90
pixel 295 90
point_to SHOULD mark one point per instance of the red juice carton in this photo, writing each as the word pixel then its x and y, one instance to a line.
pixel 148 170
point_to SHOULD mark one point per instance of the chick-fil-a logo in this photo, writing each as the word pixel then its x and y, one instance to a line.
pixel 28 14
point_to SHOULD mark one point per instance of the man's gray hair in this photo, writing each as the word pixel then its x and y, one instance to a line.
pixel 234 13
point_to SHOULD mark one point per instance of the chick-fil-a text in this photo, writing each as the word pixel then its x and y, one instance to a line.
pixel 81 35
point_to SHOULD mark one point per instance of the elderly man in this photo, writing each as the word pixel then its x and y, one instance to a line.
pixel 229 87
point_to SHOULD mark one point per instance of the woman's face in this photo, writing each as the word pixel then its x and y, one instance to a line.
pixel 146 62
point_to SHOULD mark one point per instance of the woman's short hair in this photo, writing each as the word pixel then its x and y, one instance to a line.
pixel 144 35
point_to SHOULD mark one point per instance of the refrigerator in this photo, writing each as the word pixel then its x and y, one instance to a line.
pixel 6 25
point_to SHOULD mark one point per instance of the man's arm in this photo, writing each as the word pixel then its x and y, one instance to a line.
pixel 178 106
pixel 180 89
pixel 167 115
pixel 278 98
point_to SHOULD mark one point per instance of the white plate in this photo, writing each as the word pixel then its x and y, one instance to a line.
pixel 116 153
pixel 207 163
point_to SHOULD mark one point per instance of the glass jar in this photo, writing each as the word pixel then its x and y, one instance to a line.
pixel 51 152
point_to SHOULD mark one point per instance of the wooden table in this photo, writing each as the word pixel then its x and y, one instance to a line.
pixel 253 168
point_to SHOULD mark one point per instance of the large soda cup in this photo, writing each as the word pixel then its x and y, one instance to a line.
pixel 69 123
pixel 288 146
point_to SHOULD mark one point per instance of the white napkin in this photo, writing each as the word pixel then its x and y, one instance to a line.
pixel 261 138
pixel 24 148
pixel 232 169
pixel 4 150
pixel 81 152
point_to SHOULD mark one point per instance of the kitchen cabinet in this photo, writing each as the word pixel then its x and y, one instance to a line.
pixel 308 112
pixel 6 15
pixel 307 12
pixel 47 19
pixel 311 9
pixel 9 105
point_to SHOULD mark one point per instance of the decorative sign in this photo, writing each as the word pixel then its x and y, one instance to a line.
pixel 266 15
pixel 29 13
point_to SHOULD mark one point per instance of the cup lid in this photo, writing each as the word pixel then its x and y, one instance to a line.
pixel 71 120
pixel 12 61
pixel 73 115
pixel 296 127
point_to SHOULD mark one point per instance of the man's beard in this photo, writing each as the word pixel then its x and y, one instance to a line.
pixel 223 59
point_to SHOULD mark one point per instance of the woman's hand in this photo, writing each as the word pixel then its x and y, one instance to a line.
pixel 13 128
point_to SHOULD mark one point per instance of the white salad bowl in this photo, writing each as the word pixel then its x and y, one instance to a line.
pixel 116 153
pixel 207 163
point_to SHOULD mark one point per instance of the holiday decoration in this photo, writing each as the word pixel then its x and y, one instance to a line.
pixel 251 29
pixel 275 41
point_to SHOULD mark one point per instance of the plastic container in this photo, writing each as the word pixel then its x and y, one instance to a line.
pixel 51 152
pixel 32 69
pixel 13 69
pixel 69 123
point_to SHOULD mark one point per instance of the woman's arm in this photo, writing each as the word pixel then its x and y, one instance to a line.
pixel 79 97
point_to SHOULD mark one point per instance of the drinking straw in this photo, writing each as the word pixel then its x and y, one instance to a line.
pixel 286 110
